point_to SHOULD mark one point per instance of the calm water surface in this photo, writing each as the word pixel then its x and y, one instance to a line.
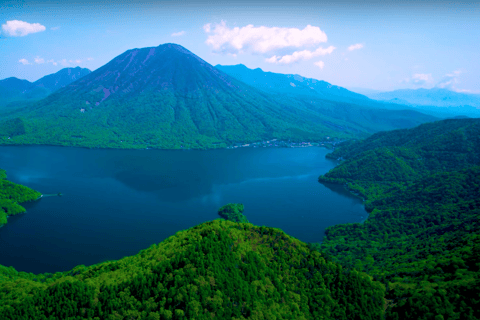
pixel 118 202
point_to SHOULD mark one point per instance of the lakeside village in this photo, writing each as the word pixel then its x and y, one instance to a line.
pixel 288 144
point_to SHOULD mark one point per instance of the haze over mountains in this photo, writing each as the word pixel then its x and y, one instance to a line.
pixel 13 89
pixel 435 100
pixel 167 97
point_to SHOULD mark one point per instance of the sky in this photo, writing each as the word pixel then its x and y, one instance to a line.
pixel 378 45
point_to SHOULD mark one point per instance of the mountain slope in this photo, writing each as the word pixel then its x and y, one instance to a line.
pixel 13 89
pixel 167 97
pixel 218 269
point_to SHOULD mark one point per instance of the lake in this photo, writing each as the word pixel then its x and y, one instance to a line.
pixel 118 202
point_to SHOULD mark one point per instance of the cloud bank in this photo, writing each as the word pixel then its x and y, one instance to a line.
pixel 17 28
pixel 260 40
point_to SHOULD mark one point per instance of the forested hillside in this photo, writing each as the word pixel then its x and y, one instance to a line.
pixel 219 269
pixel 11 194
pixel 421 238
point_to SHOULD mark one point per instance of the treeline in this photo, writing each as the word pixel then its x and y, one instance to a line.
pixel 11 194
pixel 219 269
pixel 422 238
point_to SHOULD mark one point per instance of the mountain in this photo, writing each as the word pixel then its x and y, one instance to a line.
pixel 301 88
pixel 421 238
pixel 427 100
pixel 16 84
pixel 61 78
pixel 13 89
pixel 218 269
pixel 290 84
pixel 167 97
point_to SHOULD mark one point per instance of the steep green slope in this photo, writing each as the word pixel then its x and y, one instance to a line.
pixel 219 269
pixel 11 194
pixel 421 239
pixel 167 97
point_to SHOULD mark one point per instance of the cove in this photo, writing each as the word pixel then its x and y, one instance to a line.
pixel 115 203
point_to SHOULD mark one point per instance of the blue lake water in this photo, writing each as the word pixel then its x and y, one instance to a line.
pixel 118 202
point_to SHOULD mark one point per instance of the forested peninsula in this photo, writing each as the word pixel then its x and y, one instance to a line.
pixel 11 194
pixel 421 239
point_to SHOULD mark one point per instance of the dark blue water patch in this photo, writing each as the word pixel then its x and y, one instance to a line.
pixel 118 202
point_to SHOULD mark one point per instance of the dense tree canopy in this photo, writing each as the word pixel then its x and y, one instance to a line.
pixel 233 212
pixel 219 269
pixel 421 239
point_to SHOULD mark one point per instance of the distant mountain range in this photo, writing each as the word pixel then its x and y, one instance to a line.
pixel 292 84
pixel 435 100
pixel 167 97
pixel 13 89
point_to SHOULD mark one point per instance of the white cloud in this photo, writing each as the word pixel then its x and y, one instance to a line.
pixel 263 40
pixel 419 79
pixel 355 47
pixel 178 34
pixel 24 61
pixel 39 60
pixel 449 80
pixel 55 28
pixel 422 78
pixel 207 27
pixel 320 64
pixel 89 59
pixel 467 91
pixel 52 62
pixel 63 62
pixel 17 28
pixel 300 55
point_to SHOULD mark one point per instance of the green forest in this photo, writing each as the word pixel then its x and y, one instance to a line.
pixel 417 256
pixel 218 269
pixel 421 240
pixel 11 194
